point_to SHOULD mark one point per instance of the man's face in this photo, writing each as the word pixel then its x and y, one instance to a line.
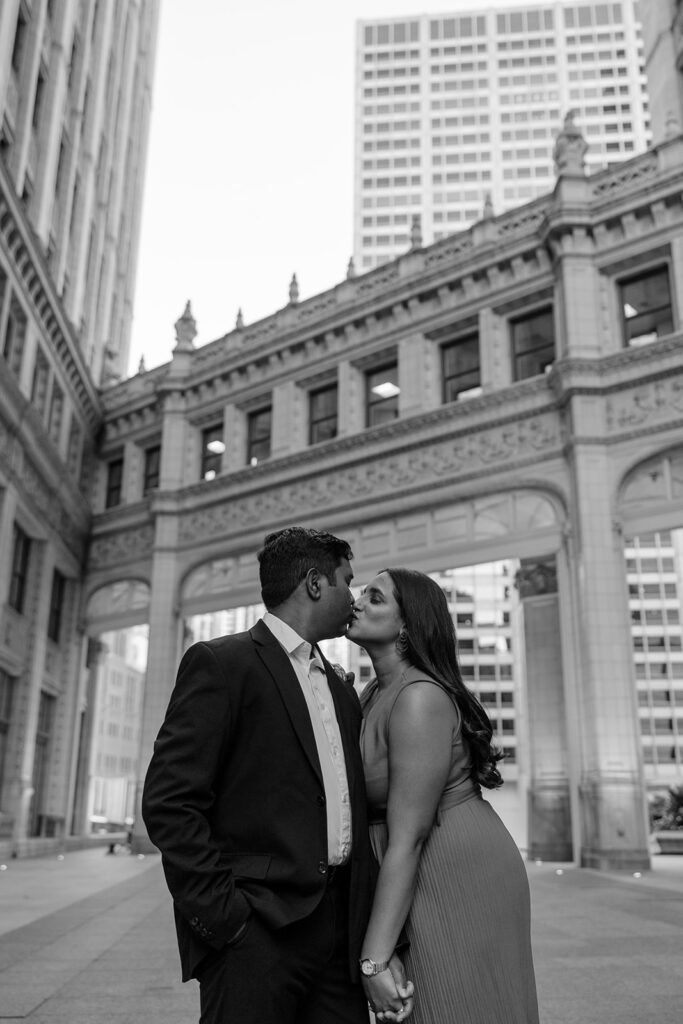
pixel 336 602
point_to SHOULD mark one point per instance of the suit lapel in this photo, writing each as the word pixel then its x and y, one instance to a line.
pixel 279 667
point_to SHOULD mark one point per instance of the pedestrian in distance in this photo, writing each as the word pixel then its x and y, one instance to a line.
pixel 255 797
pixel 450 871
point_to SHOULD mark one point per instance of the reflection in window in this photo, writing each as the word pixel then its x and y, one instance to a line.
pixel 114 481
pixel 533 344
pixel 258 435
pixel 213 447
pixel 322 414
pixel 646 306
pixel 382 393
pixel 460 368
pixel 152 467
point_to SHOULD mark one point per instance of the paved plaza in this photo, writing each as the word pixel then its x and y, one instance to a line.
pixel 89 939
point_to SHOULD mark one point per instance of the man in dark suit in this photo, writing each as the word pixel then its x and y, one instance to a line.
pixel 255 797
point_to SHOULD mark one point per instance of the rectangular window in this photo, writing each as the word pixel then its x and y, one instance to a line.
pixel 533 343
pixel 213 447
pixel 73 455
pixel 382 393
pixel 15 332
pixel 41 375
pixel 19 579
pixel 54 622
pixel 46 715
pixel 114 483
pixel 460 368
pixel 152 465
pixel 646 306
pixel 258 435
pixel 6 688
pixel 56 410
pixel 323 414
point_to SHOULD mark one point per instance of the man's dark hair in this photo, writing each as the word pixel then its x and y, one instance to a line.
pixel 287 555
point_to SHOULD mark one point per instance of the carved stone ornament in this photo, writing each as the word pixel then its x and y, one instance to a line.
pixel 185 330
pixel 293 291
pixel 535 578
pixel 657 401
pixel 121 548
pixel 114 598
pixel 382 477
pixel 570 148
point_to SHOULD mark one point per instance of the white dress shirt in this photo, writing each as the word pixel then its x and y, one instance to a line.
pixel 307 664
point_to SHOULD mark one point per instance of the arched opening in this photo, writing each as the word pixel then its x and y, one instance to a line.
pixel 650 503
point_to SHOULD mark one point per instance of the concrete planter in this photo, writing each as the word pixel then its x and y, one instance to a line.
pixel 670 841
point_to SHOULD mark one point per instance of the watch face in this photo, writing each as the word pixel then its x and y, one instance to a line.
pixel 367 968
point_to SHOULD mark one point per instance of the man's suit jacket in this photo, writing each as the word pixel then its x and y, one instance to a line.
pixel 234 796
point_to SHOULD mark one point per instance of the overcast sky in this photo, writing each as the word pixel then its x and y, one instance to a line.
pixel 250 165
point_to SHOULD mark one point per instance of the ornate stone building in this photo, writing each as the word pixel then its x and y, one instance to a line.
pixel 75 84
pixel 510 396
pixel 505 393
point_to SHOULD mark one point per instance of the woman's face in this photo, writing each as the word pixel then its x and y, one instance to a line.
pixel 376 618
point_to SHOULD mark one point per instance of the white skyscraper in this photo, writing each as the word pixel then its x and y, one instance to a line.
pixel 458 113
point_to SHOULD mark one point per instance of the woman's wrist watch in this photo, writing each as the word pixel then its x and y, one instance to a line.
pixel 369 968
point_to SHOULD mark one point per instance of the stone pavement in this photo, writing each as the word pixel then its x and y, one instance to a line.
pixel 89 939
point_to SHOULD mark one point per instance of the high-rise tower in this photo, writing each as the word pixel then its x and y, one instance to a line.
pixel 75 85
pixel 457 114
pixel 75 92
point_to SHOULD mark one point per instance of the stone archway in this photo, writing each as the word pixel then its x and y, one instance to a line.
pixel 117 604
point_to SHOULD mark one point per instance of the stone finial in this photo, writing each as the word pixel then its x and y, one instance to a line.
pixel 293 291
pixel 185 330
pixel 350 270
pixel 141 365
pixel 570 148
pixel 239 322
pixel 671 125
pixel 416 232
pixel 488 207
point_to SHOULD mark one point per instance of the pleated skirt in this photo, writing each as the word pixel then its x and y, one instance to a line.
pixel 469 926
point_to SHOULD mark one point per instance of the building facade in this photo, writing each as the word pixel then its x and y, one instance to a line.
pixel 501 408
pixel 460 111
pixel 75 82
pixel 489 409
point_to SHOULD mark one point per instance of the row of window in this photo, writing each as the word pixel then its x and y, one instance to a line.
pixel 47 395
pixel 18 586
pixel 384 163
pixel 390 90
pixel 646 305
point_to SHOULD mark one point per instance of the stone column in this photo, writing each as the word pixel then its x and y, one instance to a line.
pixel 579 294
pixel 40 593
pixel 612 796
pixel 282 433
pixel 165 628
pixel 549 814
pixel 351 399
pixel 415 354
pixel 494 351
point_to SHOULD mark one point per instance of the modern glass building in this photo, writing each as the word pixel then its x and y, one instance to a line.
pixel 457 114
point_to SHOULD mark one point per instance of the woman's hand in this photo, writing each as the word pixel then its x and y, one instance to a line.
pixel 389 995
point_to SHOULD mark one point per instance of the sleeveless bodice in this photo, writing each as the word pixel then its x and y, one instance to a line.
pixel 377 709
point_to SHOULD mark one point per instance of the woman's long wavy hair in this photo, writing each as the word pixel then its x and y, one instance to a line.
pixel 431 646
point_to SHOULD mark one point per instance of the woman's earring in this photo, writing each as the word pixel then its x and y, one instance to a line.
pixel 402 642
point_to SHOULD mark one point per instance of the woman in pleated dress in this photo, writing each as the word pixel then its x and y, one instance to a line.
pixel 449 870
